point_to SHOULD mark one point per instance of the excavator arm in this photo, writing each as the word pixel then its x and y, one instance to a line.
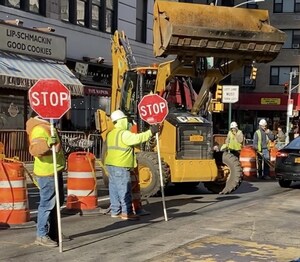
pixel 122 60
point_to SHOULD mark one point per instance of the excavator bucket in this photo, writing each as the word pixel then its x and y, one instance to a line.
pixel 189 30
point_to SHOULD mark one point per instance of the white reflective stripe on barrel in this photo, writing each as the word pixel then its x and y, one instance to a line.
pixel 14 206
pixel 80 175
pixel 81 192
pixel 247 159
pixel 12 183
pixel 249 169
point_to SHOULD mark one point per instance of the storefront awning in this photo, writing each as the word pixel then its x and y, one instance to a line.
pixel 21 72
pixel 265 101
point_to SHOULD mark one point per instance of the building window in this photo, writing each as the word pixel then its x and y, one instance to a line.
pixel 281 75
pixel 293 39
pixel 297 6
pixel 141 21
pixel 96 8
pixel 110 24
pixel 227 3
pixel 64 9
pixel 11 3
pixel 80 14
pixel 94 14
pixel 280 6
pixel 34 6
pixel 252 6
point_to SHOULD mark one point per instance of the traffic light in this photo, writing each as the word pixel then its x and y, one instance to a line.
pixel 219 92
pixel 286 88
pixel 253 73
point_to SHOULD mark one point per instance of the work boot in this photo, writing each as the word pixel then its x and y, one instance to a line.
pixel 45 241
pixel 115 215
pixel 142 212
pixel 131 217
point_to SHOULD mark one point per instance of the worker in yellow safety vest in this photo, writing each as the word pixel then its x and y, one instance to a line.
pixel 120 161
pixel 234 140
pixel 40 146
pixel 261 142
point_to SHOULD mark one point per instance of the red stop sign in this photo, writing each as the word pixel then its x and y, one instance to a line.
pixel 49 98
pixel 153 109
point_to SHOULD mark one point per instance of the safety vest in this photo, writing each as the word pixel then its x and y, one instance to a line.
pixel 233 143
pixel 43 165
pixel 118 153
pixel 259 141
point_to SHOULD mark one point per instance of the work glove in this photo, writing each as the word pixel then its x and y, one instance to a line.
pixel 154 129
pixel 52 141
pixel 224 147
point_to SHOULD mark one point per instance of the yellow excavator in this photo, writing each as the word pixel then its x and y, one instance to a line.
pixel 194 34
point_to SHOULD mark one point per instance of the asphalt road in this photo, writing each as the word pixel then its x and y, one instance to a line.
pixel 258 222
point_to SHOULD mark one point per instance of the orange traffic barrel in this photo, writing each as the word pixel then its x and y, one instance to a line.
pixel 13 194
pixel 248 162
pixel 81 182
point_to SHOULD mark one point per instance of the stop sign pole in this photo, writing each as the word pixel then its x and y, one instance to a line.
pixel 153 109
pixel 50 99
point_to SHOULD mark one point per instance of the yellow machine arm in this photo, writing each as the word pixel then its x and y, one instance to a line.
pixel 122 60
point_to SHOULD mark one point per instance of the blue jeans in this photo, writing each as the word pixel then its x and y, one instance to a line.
pixel 47 215
pixel 120 190
pixel 263 167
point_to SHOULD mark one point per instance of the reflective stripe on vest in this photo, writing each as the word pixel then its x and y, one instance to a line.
pixel 118 153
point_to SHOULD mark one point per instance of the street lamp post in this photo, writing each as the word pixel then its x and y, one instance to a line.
pixel 287 138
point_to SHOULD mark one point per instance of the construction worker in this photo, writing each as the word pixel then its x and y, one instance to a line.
pixel 234 140
pixel 41 143
pixel 120 161
pixel 261 143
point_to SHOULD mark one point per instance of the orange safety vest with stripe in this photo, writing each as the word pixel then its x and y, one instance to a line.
pixel 118 153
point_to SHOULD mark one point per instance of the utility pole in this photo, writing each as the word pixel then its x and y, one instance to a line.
pixel 293 74
pixel 287 138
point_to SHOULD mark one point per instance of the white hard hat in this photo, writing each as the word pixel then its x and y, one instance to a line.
pixel 233 125
pixel 262 122
pixel 116 115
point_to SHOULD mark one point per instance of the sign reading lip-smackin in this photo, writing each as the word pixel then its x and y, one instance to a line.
pixel 32 42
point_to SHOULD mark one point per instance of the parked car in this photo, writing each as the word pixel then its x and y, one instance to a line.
pixel 287 164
